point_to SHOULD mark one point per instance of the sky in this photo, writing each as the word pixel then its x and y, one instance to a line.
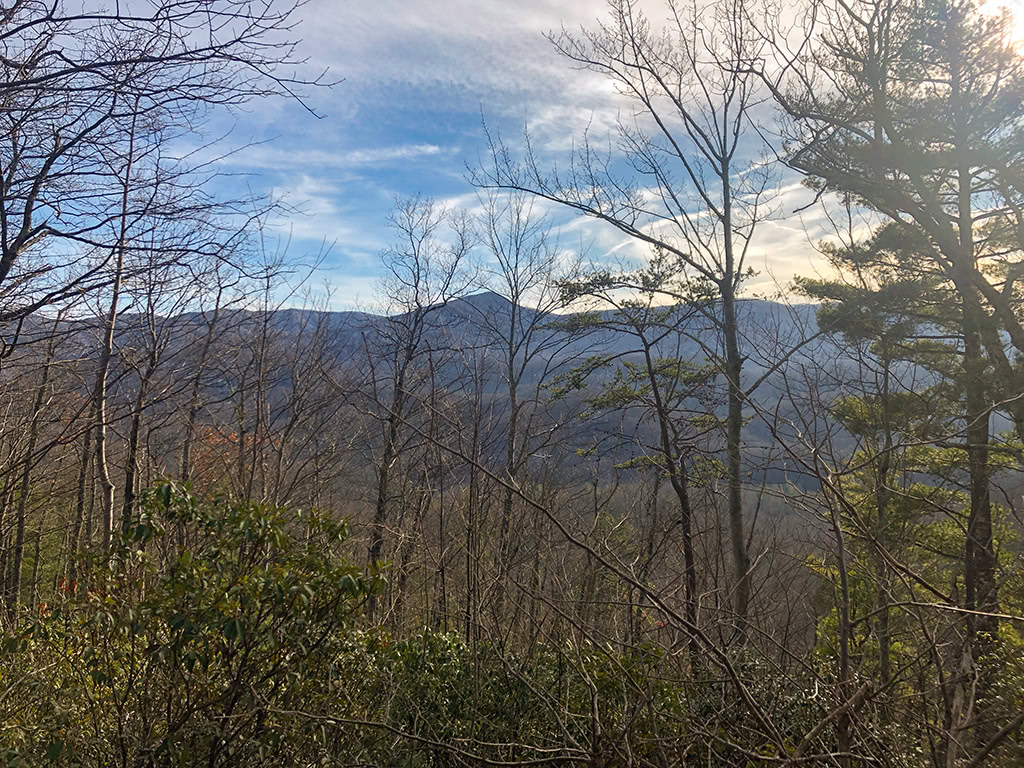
pixel 416 81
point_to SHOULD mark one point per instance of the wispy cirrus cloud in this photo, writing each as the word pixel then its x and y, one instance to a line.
pixel 418 79
pixel 269 156
pixel 391 154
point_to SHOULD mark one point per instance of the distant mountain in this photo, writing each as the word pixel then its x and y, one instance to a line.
pixel 466 335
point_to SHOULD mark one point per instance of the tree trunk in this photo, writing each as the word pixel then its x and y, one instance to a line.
pixel 107 352
pixel 131 465
pixel 387 460
pixel 17 555
pixel 185 463
pixel 80 506
pixel 734 447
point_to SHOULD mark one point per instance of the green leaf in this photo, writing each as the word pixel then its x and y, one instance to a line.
pixel 54 750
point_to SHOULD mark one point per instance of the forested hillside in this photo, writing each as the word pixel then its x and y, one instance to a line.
pixel 535 504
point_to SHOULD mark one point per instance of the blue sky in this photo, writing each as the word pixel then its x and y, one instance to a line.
pixel 407 120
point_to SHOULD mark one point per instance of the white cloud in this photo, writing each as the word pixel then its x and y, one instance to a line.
pixel 487 55
pixel 389 154
pixel 282 157
pixel 320 216
pixel 469 55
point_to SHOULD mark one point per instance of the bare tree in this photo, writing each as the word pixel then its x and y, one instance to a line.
pixel 663 388
pixel 424 272
pixel 699 186
pixel 523 266
pixel 78 82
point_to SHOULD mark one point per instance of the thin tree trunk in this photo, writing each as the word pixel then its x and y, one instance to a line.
pixel 408 550
pixel 40 528
pixel 882 495
pixel 80 506
pixel 107 353
pixel 185 463
pixel 5 538
pixel 734 426
pixel 979 555
pixel 844 723
pixel 675 464
pixel 505 548
pixel 131 466
pixel 473 535
pixel 385 465
pixel 14 575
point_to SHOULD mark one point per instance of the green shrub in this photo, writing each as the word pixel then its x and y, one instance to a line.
pixel 197 658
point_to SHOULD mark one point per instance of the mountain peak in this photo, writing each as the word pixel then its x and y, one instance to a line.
pixel 486 301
